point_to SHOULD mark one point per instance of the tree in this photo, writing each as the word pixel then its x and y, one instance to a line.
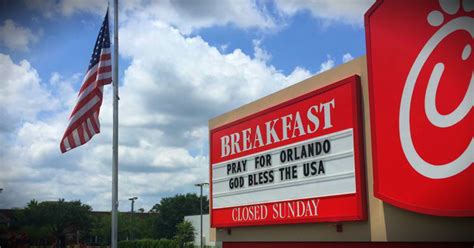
pixel 184 233
pixel 135 226
pixel 55 219
pixel 140 225
pixel 171 211
pixel 101 230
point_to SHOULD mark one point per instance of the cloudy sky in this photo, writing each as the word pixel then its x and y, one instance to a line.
pixel 181 63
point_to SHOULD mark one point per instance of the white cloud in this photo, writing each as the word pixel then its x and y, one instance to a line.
pixel 16 37
pixel 223 48
pixel 299 74
pixel 326 65
pixel 345 11
pixel 51 8
pixel 187 16
pixel 22 97
pixel 171 88
pixel 64 92
pixel 347 57
pixel 260 53
pixel 33 119
pixel 191 81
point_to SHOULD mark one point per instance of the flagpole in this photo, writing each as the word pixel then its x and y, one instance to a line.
pixel 115 133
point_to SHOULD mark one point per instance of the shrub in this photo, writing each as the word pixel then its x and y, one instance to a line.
pixel 148 243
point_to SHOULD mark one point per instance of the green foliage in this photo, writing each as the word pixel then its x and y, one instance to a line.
pixel 148 243
pixel 44 222
pixel 184 233
pixel 101 230
pixel 171 211
pixel 135 226
pixel 130 226
pixel 54 219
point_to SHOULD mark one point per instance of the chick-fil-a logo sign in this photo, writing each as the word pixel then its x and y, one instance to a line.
pixel 421 77
pixel 465 159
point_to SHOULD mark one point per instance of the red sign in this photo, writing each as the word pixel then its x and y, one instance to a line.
pixel 297 162
pixel 420 63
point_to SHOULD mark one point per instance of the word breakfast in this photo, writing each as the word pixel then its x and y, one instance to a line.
pixel 279 129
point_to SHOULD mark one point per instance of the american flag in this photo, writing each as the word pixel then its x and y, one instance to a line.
pixel 84 119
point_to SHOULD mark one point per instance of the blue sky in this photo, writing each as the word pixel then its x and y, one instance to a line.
pixel 181 63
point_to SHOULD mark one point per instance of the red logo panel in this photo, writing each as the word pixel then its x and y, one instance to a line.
pixel 421 85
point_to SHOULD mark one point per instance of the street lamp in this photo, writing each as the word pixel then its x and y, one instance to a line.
pixel 132 199
pixel 201 185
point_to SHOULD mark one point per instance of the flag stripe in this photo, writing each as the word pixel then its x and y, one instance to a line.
pixel 76 137
pixel 105 56
pixel 80 133
pixel 70 138
pixel 66 144
pixel 95 127
pixel 106 75
pixel 96 121
pixel 103 82
pixel 89 133
pixel 105 69
pixel 85 133
pixel 84 101
pixel 93 69
pixel 90 77
pixel 91 128
pixel 84 94
pixel 84 108
pixel 84 118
